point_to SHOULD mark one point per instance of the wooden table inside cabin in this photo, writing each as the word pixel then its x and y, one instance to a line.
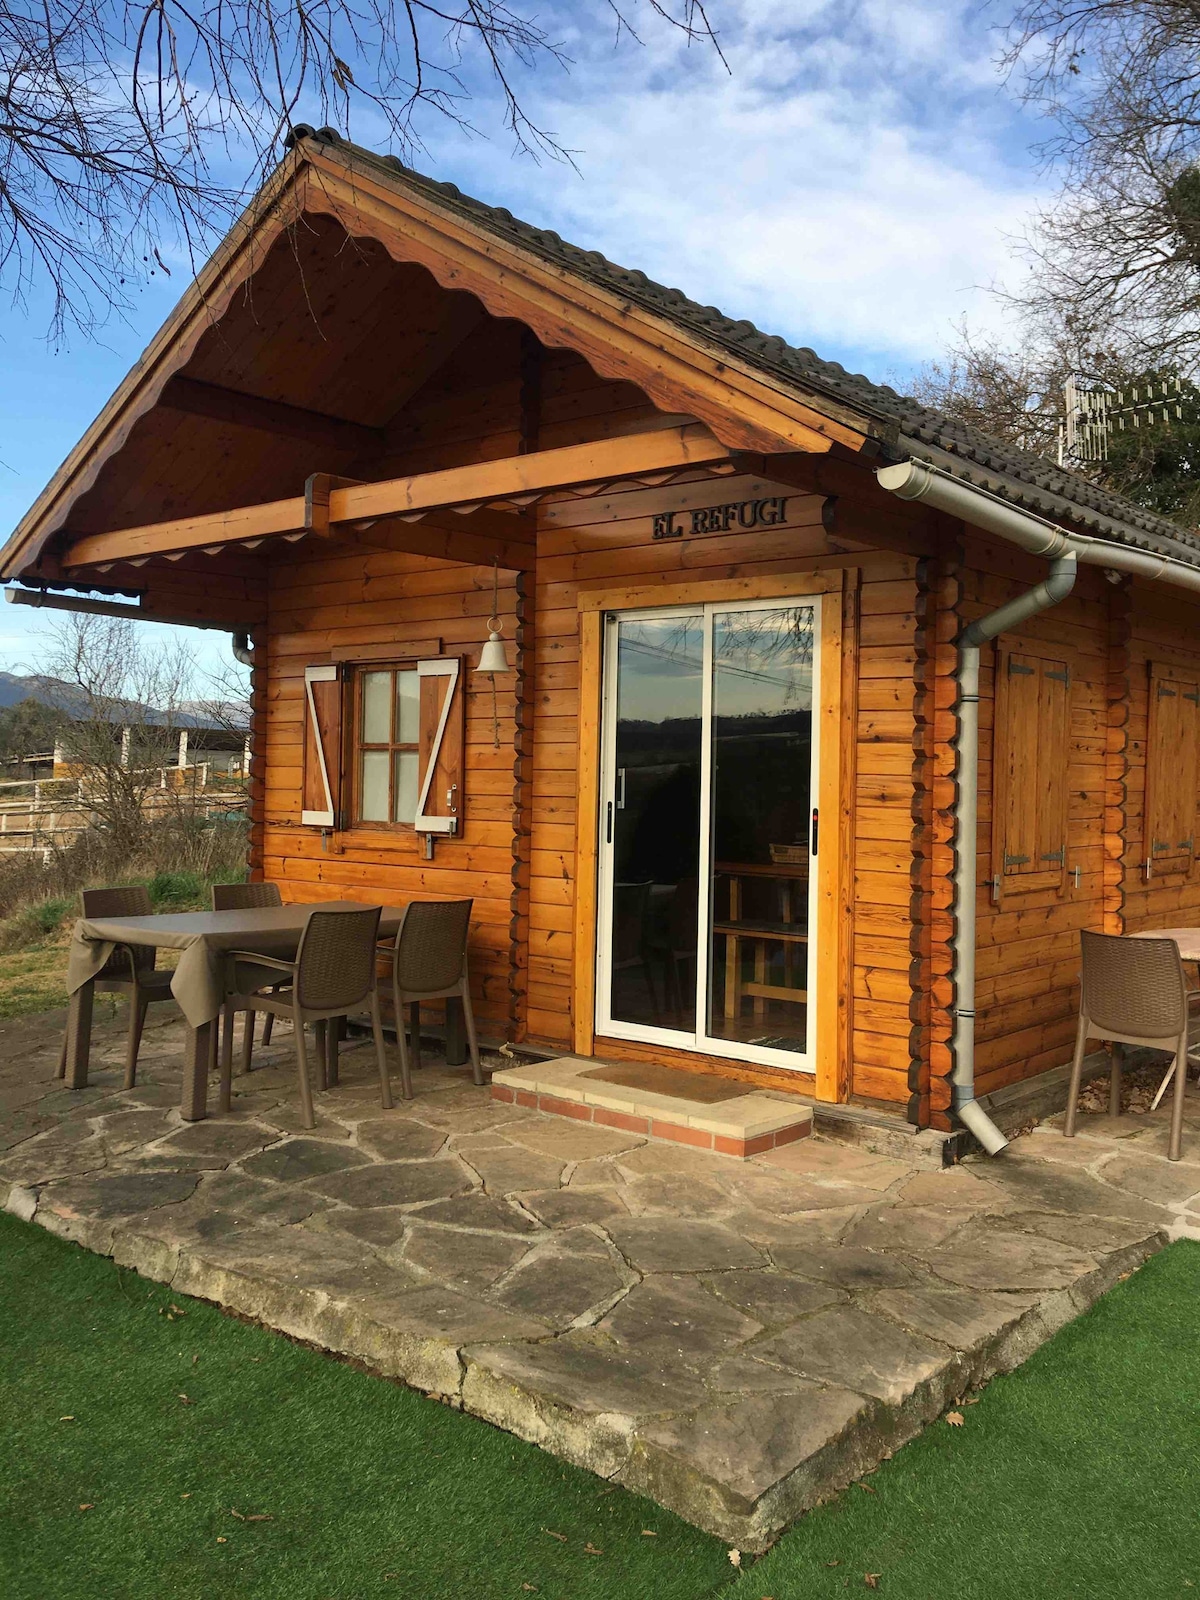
pixel 790 931
pixel 203 937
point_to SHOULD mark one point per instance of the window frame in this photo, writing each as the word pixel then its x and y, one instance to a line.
pixel 1054 877
pixel 358 673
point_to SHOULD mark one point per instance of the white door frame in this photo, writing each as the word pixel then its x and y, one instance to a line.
pixel 700 1041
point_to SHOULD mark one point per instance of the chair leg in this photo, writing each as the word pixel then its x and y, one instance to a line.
pixel 137 1019
pixel 333 1033
pixel 1114 1079
pixel 402 1046
pixel 1076 1076
pixel 385 1082
pixel 268 1025
pixel 414 1012
pixel 226 1095
pixel 319 1029
pixel 472 1041
pixel 308 1116
pixel 1174 1148
pixel 248 1020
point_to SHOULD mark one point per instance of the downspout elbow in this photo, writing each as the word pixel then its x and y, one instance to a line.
pixel 242 649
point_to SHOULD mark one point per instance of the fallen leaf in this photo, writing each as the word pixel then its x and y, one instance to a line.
pixel 87 1506
pixel 186 1496
pixel 591 1550
pixel 66 1419
pixel 530 1588
pixel 237 1514
pixel 177 1310
pixel 649 1533
pixel 260 1516
pixel 867 1488
pixel 221 1539
pixel 954 1418
pixel 971 1400
pixel 735 1558
pixel 195 1359
pixel 833 1563
pixel 561 1537
pixel 871 1579
pixel 186 1401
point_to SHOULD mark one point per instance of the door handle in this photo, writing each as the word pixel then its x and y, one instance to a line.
pixel 608 840
pixel 815 830
pixel 621 790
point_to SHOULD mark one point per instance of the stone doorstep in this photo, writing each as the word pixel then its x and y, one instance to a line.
pixel 748 1125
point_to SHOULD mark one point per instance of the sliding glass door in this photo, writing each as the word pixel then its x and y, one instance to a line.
pixel 708 829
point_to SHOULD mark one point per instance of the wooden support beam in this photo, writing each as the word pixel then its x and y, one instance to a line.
pixel 199 399
pixel 434 538
pixel 512 478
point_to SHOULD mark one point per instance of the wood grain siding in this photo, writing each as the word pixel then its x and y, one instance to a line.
pixel 1116 757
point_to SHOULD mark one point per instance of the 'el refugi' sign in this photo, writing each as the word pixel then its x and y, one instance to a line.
pixel 743 514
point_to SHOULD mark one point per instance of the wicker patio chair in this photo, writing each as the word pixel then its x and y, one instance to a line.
pixel 429 962
pixel 130 970
pixel 333 974
pixel 248 897
pixel 1134 992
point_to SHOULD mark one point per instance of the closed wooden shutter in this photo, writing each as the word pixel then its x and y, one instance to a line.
pixel 440 802
pixel 1031 752
pixel 1172 768
pixel 322 780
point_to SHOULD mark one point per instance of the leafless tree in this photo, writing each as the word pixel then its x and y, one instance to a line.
pixel 1115 256
pixel 123 698
pixel 121 120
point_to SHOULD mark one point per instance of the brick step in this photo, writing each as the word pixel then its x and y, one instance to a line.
pixel 743 1124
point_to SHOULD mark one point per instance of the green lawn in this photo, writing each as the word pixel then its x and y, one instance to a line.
pixel 1077 1475
pixel 371 1490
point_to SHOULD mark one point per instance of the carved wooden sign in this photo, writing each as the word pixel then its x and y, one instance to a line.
pixel 738 515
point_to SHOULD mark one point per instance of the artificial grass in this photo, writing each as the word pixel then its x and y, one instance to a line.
pixel 371 1490
pixel 1078 1474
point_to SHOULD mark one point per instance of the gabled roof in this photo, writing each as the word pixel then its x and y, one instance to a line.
pixel 908 428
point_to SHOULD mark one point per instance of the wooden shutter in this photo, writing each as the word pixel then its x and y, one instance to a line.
pixel 1031 752
pixel 322 746
pixel 1172 768
pixel 439 802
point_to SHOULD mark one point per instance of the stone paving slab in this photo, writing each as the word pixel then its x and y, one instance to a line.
pixel 738 1339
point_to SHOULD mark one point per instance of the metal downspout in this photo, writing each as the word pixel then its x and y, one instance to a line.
pixel 1057 584
pixel 913 480
pixel 242 649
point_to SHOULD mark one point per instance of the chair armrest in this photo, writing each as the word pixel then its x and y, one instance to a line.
pixel 261 961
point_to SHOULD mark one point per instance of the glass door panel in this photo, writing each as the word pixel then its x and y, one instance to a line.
pixel 653 821
pixel 760 823
pixel 707 796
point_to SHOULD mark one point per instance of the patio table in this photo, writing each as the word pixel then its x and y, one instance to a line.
pixel 1188 940
pixel 198 983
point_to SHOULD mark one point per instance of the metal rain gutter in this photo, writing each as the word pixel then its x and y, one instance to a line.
pixel 917 480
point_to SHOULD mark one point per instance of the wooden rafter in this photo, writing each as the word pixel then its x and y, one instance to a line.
pixel 199 399
pixel 514 480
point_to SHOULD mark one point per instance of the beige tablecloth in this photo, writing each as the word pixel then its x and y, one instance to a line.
pixel 203 937
pixel 1188 940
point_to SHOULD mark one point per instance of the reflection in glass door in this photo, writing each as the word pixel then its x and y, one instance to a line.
pixel 708 829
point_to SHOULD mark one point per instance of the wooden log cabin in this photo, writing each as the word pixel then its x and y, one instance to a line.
pixel 735 805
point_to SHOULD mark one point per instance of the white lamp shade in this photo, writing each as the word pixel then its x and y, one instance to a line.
pixel 492 658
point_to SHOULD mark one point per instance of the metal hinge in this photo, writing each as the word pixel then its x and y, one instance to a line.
pixel 1055 855
pixel 1169 694
pixel 1016 670
pixel 1060 677
pixel 1014 861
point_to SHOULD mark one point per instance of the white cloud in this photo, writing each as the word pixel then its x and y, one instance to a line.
pixel 850 185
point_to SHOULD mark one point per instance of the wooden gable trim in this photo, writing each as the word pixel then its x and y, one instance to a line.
pixel 662 450
pixel 746 408
pixel 277 207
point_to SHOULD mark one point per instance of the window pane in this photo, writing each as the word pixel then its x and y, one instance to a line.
pixel 376 708
pixel 374 785
pixel 408 708
pixel 407 791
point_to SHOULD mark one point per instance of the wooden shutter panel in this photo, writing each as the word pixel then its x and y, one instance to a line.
pixel 1029 770
pixel 322 782
pixel 1172 768
pixel 440 800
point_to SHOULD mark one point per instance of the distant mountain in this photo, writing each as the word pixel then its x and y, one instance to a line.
pixel 67 698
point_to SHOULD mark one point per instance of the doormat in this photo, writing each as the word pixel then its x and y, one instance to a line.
pixel 702 1088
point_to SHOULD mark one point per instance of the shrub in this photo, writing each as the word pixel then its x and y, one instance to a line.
pixel 176 891
pixel 39 920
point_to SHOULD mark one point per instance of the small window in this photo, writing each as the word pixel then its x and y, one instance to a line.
pixel 1031 750
pixel 387 753
pixel 1172 768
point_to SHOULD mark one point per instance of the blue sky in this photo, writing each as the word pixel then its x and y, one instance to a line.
pixel 852 184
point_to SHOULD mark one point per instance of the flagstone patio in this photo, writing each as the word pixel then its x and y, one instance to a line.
pixel 736 1338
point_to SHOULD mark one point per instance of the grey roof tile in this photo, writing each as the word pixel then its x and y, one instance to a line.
pixel 908 428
